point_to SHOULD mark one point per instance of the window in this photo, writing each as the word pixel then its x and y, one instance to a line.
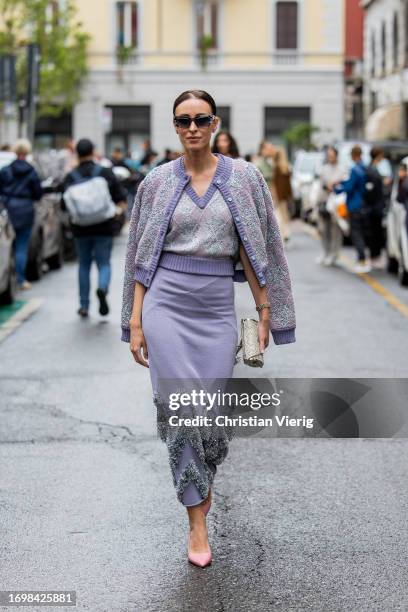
pixel 207 23
pixel 395 41
pixel 130 127
pixel 373 54
pixel 373 101
pixel 126 24
pixel 278 119
pixel 51 15
pixel 406 34
pixel 286 25
pixel 383 48
pixel 53 132
pixel 224 113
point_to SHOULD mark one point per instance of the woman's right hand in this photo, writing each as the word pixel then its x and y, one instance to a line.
pixel 137 343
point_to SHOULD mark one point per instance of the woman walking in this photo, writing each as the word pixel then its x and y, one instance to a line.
pixel 283 191
pixel 225 143
pixel 265 163
pixel 194 221
pixel 20 187
pixel 329 230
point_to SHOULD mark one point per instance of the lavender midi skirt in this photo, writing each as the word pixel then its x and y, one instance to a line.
pixel 190 327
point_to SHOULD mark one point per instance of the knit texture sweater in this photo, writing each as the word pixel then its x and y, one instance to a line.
pixel 203 230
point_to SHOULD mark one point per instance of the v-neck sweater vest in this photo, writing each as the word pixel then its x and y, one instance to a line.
pixel 201 238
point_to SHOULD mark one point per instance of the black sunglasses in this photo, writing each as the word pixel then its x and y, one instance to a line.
pixel 201 121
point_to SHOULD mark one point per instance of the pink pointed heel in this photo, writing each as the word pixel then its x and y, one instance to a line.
pixel 200 559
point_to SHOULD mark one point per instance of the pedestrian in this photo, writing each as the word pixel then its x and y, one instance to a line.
pixel 118 159
pixel 265 162
pixel 355 187
pixel 20 187
pixel 225 143
pixel 168 156
pixel 402 193
pixel 283 191
pixel 67 156
pixel 328 228
pixel 194 222
pixel 148 162
pixel 374 208
pixel 90 193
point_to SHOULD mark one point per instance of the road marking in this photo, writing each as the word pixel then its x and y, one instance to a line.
pixel 370 280
pixel 19 317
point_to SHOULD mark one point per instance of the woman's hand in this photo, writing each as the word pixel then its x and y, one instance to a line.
pixel 137 343
pixel 263 333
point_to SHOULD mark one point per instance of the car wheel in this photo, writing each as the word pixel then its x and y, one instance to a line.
pixel 403 276
pixel 8 296
pixel 392 265
pixel 56 261
pixel 34 267
pixel 297 208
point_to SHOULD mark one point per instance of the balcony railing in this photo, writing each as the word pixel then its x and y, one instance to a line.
pixel 213 59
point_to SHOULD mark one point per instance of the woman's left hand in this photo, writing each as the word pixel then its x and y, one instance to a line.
pixel 263 334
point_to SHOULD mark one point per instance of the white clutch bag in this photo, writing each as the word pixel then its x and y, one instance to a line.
pixel 249 344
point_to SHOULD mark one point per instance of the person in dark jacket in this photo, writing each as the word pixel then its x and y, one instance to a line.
pixel 402 195
pixel 374 207
pixel 355 187
pixel 94 242
pixel 20 187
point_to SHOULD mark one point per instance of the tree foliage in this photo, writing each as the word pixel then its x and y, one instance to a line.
pixel 300 135
pixel 63 47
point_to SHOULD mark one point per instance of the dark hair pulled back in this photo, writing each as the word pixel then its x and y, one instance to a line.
pixel 199 94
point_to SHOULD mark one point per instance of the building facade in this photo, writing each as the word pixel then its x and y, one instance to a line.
pixel 268 64
pixel 353 70
pixel 386 68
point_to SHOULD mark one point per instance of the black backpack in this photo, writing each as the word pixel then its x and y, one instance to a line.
pixel 374 192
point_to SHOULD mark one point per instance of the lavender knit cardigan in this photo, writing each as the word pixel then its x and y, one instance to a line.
pixel 248 197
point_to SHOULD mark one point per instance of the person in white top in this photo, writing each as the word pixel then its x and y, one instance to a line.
pixel 329 230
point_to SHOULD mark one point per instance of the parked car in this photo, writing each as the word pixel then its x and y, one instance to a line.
pixel 51 240
pixel 8 280
pixel 397 238
pixel 305 167
pixel 47 240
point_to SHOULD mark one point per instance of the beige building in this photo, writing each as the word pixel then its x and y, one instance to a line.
pixel 268 63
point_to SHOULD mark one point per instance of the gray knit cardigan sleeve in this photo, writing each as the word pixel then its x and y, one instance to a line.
pixel 278 281
pixel 129 282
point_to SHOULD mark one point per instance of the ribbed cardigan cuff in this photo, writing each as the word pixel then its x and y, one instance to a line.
pixel 142 275
pixel 284 336
pixel 125 335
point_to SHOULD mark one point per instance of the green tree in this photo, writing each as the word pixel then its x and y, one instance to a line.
pixel 300 135
pixel 63 47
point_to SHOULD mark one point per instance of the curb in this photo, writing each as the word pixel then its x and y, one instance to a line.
pixel 19 317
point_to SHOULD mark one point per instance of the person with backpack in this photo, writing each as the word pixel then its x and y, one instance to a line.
pixel 20 187
pixel 355 187
pixel 374 207
pixel 93 197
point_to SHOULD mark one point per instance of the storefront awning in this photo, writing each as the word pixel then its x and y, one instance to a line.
pixel 385 123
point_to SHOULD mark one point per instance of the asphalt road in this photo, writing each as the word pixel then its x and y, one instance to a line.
pixel 86 499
